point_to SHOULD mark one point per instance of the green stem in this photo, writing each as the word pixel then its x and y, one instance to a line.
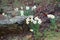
pixel 36 32
pixel 53 24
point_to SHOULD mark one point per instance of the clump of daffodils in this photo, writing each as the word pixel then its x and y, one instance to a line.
pixel 51 16
pixel 34 21
pixel 39 20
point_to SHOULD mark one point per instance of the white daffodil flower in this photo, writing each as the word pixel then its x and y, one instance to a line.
pixel 22 12
pixel 16 9
pixel 31 18
pixel 34 7
pixel 39 21
pixel 51 16
pixel 21 7
pixel 27 19
pixel 36 18
pixel 27 7
pixel 3 13
pixel 34 22
pixel 31 30
pixel 27 22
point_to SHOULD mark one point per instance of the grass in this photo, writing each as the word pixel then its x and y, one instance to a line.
pixel 56 37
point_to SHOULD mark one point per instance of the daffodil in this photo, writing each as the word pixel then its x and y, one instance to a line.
pixel 22 12
pixel 53 21
pixel 31 18
pixel 34 22
pixel 27 22
pixel 31 30
pixel 27 7
pixel 51 16
pixel 3 13
pixel 21 7
pixel 36 18
pixel 16 9
pixel 39 21
pixel 34 7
